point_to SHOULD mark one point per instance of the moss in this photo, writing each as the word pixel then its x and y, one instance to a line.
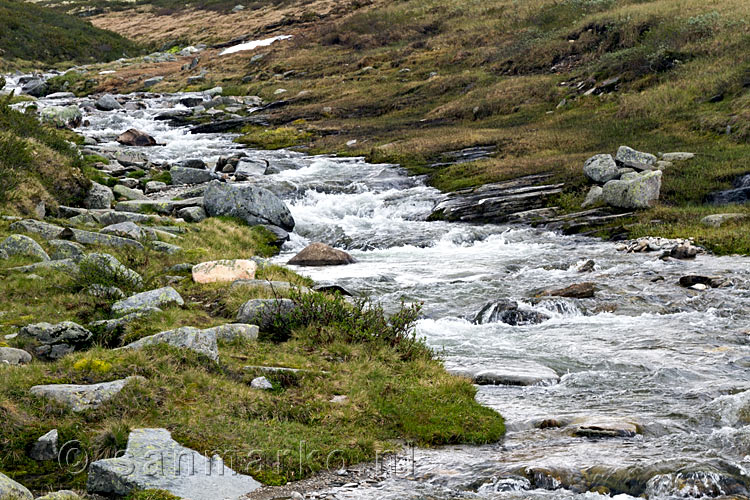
pixel 278 138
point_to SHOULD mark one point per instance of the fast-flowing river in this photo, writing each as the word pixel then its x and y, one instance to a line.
pixel 644 351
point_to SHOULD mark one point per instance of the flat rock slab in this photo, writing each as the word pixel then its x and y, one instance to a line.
pixel 153 460
pixel 187 337
pixel 82 397
pixel 605 427
pixel 511 373
pixel 43 229
pixel 224 271
pixel 91 238
pixel 160 297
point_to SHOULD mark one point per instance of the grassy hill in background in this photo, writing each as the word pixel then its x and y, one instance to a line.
pixel 29 33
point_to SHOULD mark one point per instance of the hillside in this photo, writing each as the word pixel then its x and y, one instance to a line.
pixel 412 80
pixel 33 34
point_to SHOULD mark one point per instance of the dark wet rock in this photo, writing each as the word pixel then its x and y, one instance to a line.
pixel 193 163
pixel 332 288
pixel 133 137
pixel 508 312
pixel 228 125
pixel 45 448
pixel 266 312
pixel 320 254
pixel 160 297
pixel 110 269
pixel 497 202
pixel 44 229
pixel 730 196
pixel 511 373
pixel 280 235
pixel 83 397
pixel 254 205
pixel 183 175
pixel 18 244
pixel 13 356
pixel 35 87
pixel 709 281
pixel 205 478
pixel 201 341
pixel 576 291
pixel 57 340
pixel 107 103
pixel 150 82
pixel 587 267
pixel 696 484
pixel 99 196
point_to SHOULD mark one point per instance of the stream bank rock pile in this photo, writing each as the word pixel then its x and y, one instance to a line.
pixel 630 180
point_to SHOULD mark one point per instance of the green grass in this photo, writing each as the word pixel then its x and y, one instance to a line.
pixel 278 138
pixel 32 33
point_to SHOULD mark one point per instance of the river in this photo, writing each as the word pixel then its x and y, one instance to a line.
pixel 645 351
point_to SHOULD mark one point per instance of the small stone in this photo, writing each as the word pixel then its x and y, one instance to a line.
pixel 266 313
pixel 133 137
pixel 261 383
pixel 61 495
pixel 160 297
pixel 339 399
pixel 605 428
pixel 183 175
pixel 124 230
pixel 628 156
pixel 57 340
pixel 677 156
pixel 107 103
pixel 192 214
pixel 640 192
pixel 683 251
pixel 45 447
pixel 105 292
pixel 587 267
pixel 699 286
pixel 577 291
pixel 234 331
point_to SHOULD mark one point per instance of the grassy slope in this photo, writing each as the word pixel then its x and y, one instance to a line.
pixel 29 33
pixel 493 73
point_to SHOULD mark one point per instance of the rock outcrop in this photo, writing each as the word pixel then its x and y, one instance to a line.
pixel 320 254
pixel 82 397
pixel 57 340
pixel 254 205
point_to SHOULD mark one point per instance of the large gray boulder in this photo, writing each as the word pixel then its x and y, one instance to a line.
pixel 57 340
pixel 108 269
pixel 320 254
pixel 63 249
pixel 12 356
pixel 107 103
pixel 83 397
pixel 62 116
pixel 266 312
pixel 181 471
pixel 99 196
pixel 630 157
pixel 201 341
pixel 11 490
pixel 161 297
pixel 43 229
pixel 186 175
pixel 640 192
pixel 18 244
pixel 192 214
pixel 601 168
pixel 254 205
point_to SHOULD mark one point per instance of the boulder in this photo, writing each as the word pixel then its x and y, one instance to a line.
pixel 107 103
pixel 280 235
pixel 234 331
pixel 629 156
pixel 68 266
pixel 266 312
pixel 166 207
pixel 181 471
pixel 43 229
pixel 57 340
pixel 124 230
pixel 192 214
pixel 710 281
pixel 155 187
pixel 683 251
pixel 35 87
pixel 254 205
pixel 92 238
pixel 18 244
pixel 167 248
pixel 641 192
pixel 593 197
pixel 718 220
pixel 45 447
pixel 320 254
pixel 99 196
pixel 62 116
pixel 604 427
pixel 129 193
pixel 11 490
pixel 224 271
pixel 160 297
pixel 201 341
pixel 63 249
pixel 601 168
pixel 261 383
pixel 12 356
pixel 110 269
pixel 577 291
pixel 508 312
pixel 523 373
pixel 133 137
pixel 183 175
pixel 192 163
pixel 83 397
